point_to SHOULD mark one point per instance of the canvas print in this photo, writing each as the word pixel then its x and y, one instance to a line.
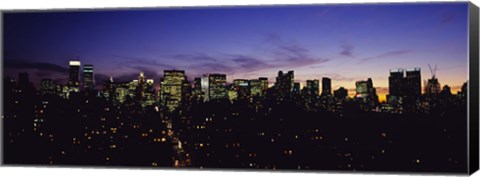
pixel 350 87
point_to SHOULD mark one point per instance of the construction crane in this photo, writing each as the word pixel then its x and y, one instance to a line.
pixel 433 71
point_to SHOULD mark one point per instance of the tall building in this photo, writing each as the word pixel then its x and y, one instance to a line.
pixel 312 87
pixel 396 85
pixel 403 91
pixel 73 80
pixel 242 87
pixel 341 93
pixel 326 86
pixel 284 84
pixel 217 86
pixel 204 87
pixel 109 90
pixel 264 83
pixel 171 88
pixel 88 77
pixel 186 89
pixel 296 88
pixel 413 81
pixel 366 93
pixel 149 92
pixel 141 86
pixel 395 82
pixel 197 86
pixel 258 87
pixel 48 86
pixel 432 87
pixel 232 92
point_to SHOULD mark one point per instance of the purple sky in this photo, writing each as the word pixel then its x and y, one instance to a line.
pixel 344 42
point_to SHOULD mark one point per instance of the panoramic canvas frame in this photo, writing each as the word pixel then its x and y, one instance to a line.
pixel 156 142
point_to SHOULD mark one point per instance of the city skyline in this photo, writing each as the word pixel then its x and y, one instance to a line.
pixel 368 88
pixel 237 42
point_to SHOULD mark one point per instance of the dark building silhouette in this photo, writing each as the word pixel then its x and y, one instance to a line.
pixel 74 80
pixel 326 86
pixel 341 93
pixel 284 84
pixel 366 94
pixel 312 87
pixel 404 90
pixel 24 81
pixel 395 82
pixel 88 77
pixel 48 86
pixel 432 87
pixel 413 83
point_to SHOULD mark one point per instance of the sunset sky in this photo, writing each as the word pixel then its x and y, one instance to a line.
pixel 344 42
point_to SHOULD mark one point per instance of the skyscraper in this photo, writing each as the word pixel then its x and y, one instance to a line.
pixel 432 87
pixel 264 83
pixel 242 87
pixel 413 81
pixel 217 86
pixel 284 84
pixel 366 94
pixel 88 78
pixel 395 82
pixel 312 87
pixel 258 87
pixel 326 86
pixel 296 88
pixel 404 90
pixel 141 86
pixel 171 88
pixel 197 86
pixel 73 80
pixel 204 86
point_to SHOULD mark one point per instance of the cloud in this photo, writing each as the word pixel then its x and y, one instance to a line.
pixel 347 50
pixel 394 53
pixel 249 63
pixel 214 68
pixel 339 77
pixel 194 57
pixel 38 66
pixel 386 55
pixel 134 62
pixel 288 53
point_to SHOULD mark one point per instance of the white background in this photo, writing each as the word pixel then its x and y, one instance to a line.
pixel 77 171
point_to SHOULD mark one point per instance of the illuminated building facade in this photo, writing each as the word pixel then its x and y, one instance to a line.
pixel 217 86
pixel 48 86
pixel 171 88
pixel 258 87
pixel 88 77
pixel 73 80
pixel 242 86
pixel 366 94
